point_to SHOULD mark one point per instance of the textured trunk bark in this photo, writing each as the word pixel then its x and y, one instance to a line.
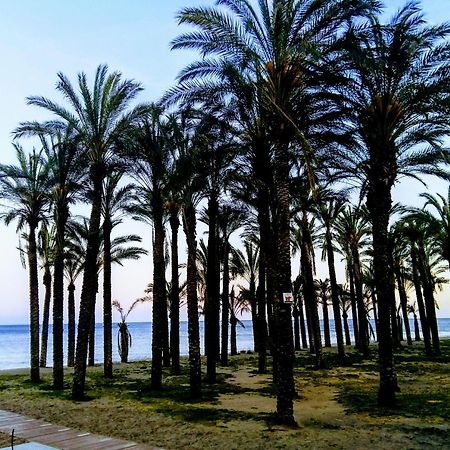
pixel 34 304
pixel 47 282
pixel 296 314
pixel 335 297
pixel 159 324
pixel 91 343
pixel 348 341
pixel 88 291
pixel 254 311
pixel 61 216
pixel 302 323
pixel 226 301
pixel 353 304
pixel 175 296
pixel 375 310
pixel 430 305
pixel 416 328
pixel 284 348
pixel 212 293
pixel 189 225
pixel 363 329
pixel 264 231
pixel 326 322
pixel 107 306
pixel 71 325
pixel 310 293
pixel 420 304
pixel 379 204
pixel 233 338
pixel 403 302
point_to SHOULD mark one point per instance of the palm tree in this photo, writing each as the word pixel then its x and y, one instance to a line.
pixel 25 187
pixel 123 335
pixel 150 156
pixel 238 305
pixel 99 119
pixel 188 183
pixel 398 101
pixel 352 228
pixel 115 202
pixel 327 212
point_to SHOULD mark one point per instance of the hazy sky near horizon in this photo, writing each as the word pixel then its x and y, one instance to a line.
pixel 39 39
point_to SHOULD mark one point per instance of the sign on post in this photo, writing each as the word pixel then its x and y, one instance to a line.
pixel 288 298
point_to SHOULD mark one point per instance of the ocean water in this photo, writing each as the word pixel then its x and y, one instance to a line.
pixel 14 341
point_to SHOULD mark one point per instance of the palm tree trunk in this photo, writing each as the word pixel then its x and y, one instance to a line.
pixel 233 338
pixel 353 304
pixel 420 304
pixel 335 297
pixel 430 303
pixel 264 230
pixel 302 323
pixel 416 328
pixel 47 281
pixel 34 305
pixel 310 292
pixel 159 294
pixel 212 293
pixel 379 205
pixel 296 314
pixel 91 344
pixel 403 302
pixel 226 300
pixel 71 325
pixel 88 292
pixel 189 225
pixel 348 341
pixel 326 322
pixel 107 306
pixel 175 295
pixel 60 216
pixel 363 330
pixel 284 348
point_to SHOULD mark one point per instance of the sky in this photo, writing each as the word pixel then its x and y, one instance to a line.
pixel 40 39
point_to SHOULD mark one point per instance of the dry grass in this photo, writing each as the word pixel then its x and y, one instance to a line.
pixel 336 407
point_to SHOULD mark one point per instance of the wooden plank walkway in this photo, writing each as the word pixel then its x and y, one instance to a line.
pixel 59 437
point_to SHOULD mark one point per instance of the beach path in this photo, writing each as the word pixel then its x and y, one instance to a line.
pixel 60 437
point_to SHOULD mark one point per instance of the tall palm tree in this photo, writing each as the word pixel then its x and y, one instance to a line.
pixel 25 187
pixel 327 212
pixel 116 200
pixel 99 118
pixel 352 228
pixel 188 182
pixel 150 156
pixel 397 99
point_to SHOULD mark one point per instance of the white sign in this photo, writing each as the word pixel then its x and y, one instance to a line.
pixel 288 298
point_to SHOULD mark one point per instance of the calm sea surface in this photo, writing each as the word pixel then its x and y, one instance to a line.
pixel 14 341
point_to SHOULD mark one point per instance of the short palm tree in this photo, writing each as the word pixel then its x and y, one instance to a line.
pixel 25 188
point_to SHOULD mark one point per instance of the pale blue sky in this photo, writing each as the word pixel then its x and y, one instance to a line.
pixel 40 38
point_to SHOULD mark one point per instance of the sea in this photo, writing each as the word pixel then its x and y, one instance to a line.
pixel 15 351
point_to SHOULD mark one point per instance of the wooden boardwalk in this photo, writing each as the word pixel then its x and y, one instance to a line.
pixel 59 437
